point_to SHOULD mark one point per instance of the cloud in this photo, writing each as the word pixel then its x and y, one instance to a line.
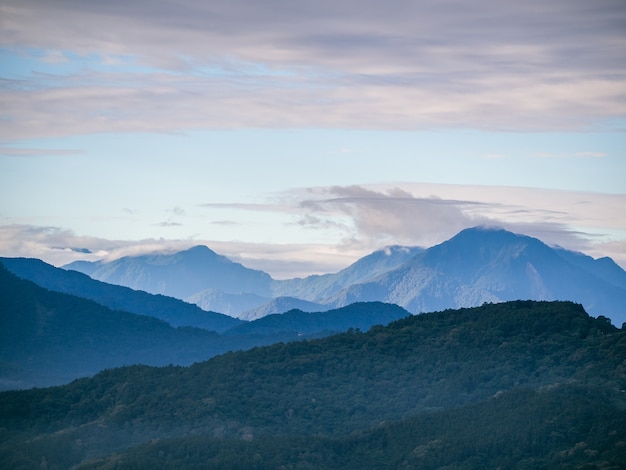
pixel 335 225
pixel 400 65
pixel 169 223
pixel 31 152
pixel 224 222
pixel 572 155
pixel 376 218
pixel 55 57
pixel 591 154
pixel 178 211
pixel 494 156
pixel 54 245
pixel 370 217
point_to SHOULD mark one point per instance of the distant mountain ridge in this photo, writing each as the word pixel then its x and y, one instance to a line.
pixel 477 265
pixel 169 309
pixel 180 274
pixel 319 287
pixel 50 333
pixel 193 275
pixel 360 315
pixel 49 338
pixel 279 305
pixel 490 265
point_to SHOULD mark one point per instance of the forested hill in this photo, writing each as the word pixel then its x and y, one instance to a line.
pixel 173 311
pixel 542 382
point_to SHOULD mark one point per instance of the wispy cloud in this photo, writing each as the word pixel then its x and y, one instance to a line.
pixel 335 225
pixel 56 246
pixel 494 156
pixel 376 218
pixel 400 65
pixel 177 211
pixel 169 223
pixel 33 152
pixel 571 155
pixel 591 154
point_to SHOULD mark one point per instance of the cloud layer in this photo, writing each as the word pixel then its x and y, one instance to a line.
pixel 355 220
pixel 163 66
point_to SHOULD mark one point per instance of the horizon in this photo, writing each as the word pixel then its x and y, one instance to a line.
pixel 261 262
pixel 298 138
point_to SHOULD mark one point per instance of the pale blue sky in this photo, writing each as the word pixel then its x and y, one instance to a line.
pixel 266 133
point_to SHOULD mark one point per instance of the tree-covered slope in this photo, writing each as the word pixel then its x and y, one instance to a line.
pixel 173 311
pixel 551 428
pixel 420 367
pixel 49 338
pixel 360 315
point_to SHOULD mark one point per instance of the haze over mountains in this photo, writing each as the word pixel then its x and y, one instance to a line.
pixel 538 382
pixel 78 326
pixel 478 265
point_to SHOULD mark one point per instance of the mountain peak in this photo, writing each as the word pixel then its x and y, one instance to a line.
pixel 199 249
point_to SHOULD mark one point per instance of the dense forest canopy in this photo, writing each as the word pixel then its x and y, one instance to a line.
pixel 397 389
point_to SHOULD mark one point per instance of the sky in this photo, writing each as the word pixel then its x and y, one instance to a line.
pixel 296 137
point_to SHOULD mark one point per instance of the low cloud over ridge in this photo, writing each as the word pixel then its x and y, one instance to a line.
pixel 355 220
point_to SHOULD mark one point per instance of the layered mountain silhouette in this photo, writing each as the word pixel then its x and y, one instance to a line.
pixel 49 337
pixel 214 283
pixel 280 305
pixel 492 265
pixel 478 265
pixel 169 309
pixel 317 288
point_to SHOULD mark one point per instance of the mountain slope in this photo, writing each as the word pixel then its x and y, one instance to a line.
pixel 471 371
pixel 316 288
pixel 281 305
pixel 180 274
pixel 214 283
pixel 488 265
pixel 49 338
pixel 477 265
pixel 517 429
pixel 359 315
pixel 169 309
pixel 229 304
pixel 603 268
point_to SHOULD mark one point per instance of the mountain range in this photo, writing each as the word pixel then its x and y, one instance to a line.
pixel 169 309
pixel 477 265
pixel 49 337
pixel 357 382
